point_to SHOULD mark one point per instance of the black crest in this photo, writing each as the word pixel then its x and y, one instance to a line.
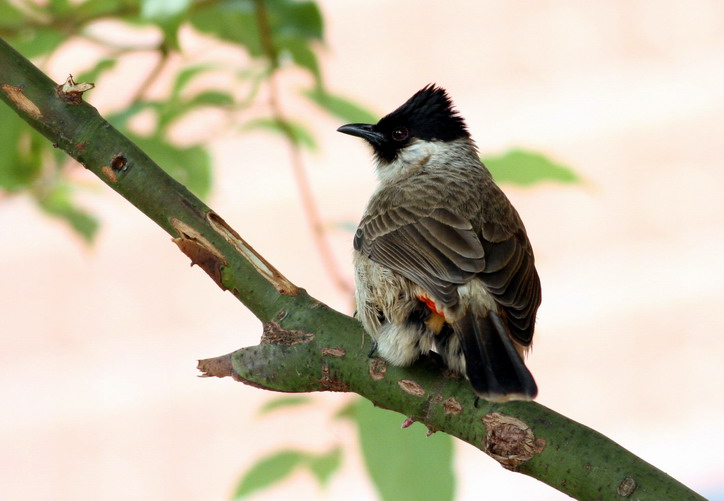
pixel 429 115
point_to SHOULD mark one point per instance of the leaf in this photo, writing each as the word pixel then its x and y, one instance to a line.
pixel 162 10
pixel 58 203
pixel 268 471
pixel 186 75
pixel 526 168
pixel 404 464
pixel 283 402
pixel 292 130
pixel 9 15
pixel 323 466
pixel 174 108
pixel 295 19
pixel 340 107
pixel 348 411
pixel 21 146
pixel 292 23
pixel 303 56
pixel 169 27
pixel 211 98
pixel 190 166
pixel 91 75
pixel 36 42
pixel 93 9
pixel 59 6
pixel 229 20
pixel 120 120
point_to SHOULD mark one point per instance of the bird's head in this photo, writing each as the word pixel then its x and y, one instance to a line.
pixel 428 116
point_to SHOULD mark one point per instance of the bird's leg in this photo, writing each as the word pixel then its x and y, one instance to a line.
pixel 437 359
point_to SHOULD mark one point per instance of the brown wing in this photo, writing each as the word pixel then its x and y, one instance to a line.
pixel 510 276
pixel 437 250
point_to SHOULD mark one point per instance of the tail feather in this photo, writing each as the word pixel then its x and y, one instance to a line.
pixel 494 367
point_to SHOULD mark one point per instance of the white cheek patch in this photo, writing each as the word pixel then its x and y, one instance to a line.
pixel 409 159
pixel 417 153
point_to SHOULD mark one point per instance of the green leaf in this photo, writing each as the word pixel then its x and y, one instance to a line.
pixel 291 130
pixel 404 464
pixel 189 166
pixel 211 98
pixel 340 107
pixel 92 9
pixel 21 147
pixel 186 75
pixel 120 120
pixel 162 10
pixel 291 23
pixel 526 168
pixel 170 27
pixel 174 108
pixel 59 6
pixel 234 21
pixel 57 202
pixel 303 56
pixel 283 402
pixel 36 42
pixel 295 19
pixel 268 471
pixel 349 411
pixel 323 466
pixel 9 15
pixel 91 75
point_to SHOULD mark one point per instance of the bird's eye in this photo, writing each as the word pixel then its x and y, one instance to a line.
pixel 400 133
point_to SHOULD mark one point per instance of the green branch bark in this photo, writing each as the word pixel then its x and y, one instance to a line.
pixel 307 346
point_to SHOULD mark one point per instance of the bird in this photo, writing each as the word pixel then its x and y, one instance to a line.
pixel 442 260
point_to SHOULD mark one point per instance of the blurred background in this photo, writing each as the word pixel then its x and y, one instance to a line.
pixel 98 384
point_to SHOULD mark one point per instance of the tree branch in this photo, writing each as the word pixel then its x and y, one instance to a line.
pixel 307 346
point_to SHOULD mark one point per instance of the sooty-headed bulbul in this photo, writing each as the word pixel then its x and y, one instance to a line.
pixel 442 259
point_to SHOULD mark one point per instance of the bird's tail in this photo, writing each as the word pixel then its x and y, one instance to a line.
pixel 494 367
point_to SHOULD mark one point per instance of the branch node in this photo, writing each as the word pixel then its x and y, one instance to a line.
pixel 626 487
pixel 329 383
pixel 510 441
pixel 71 92
pixel 118 162
pixel 378 368
pixel 276 334
pixel 452 406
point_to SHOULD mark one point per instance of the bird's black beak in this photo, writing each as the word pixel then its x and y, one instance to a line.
pixel 365 131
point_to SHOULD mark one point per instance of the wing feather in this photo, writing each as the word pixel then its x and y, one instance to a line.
pixel 439 251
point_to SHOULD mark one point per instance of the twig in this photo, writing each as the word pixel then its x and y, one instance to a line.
pixel 309 204
pixel 153 74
